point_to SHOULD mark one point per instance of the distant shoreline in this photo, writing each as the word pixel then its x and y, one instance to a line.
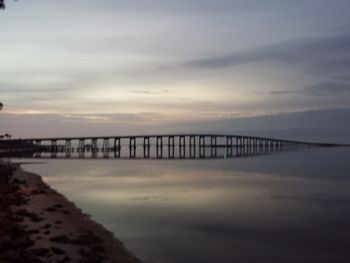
pixel 41 225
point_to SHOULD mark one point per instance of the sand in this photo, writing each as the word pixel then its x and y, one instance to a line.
pixel 37 224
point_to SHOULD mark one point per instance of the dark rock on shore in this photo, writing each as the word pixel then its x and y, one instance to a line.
pixel 60 239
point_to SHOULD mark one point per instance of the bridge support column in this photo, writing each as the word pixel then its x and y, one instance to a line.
pixel 38 142
pixel 81 145
pixel 94 145
pixel 53 148
pixel 201 141
pixel 201 146
pixel 171 142
pixel 229 141
pixel 146 142
pixel 192 146
pixel 132 147
pixel 159 141
pixel 68 148
pixel 146 150
pixel 160 151
pixel 146 146
pixel 38 148
pixel 54 145
pixel 244 144
pixel 192 141
pixel 105 148
pixel 132 142
pixel 213 146
pixel 171 150
pixel 238 146
pixel 68 145
pixel 117 147
pixel 159 146
pixel 229 146
pixel 182 141
pixel 213 141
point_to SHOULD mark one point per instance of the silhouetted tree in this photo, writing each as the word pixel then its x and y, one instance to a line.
pixel 2 4
pixel 1 106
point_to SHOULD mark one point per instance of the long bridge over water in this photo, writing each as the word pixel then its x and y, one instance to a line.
pixel 184 145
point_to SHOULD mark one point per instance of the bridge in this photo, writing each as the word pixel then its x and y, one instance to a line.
pixel 178 145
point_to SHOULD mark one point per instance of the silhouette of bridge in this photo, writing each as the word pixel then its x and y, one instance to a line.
pixel 179 146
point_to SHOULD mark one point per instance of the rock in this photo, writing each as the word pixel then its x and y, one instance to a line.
pixel 39 252
pixel 22 212
pixel 17 219
pixel 58 251
pixel 37 192
pixel 82 251
pixel 86 239
pixel 60 239
pixel 33 231
pixel 23 242
pixel 97 249
pixel 51 209
pixel 5 244
pixel 9 256
pixel 36 219
pixel 17 181
pixel 65 259
pixel 27 257
pixel 32 216
pixel 46 226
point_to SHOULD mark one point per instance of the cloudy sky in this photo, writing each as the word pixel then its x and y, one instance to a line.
pixel 154 62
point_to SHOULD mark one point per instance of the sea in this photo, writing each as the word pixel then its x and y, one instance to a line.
pixel 290 206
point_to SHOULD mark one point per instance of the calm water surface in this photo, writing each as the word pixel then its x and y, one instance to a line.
pixel 284 207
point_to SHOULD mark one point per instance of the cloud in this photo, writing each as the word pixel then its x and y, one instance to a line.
pixel 324 200
pixel 149 92
pixel 321 89
pixel 329 54
pixel 327 88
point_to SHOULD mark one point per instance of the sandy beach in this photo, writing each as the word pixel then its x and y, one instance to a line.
pixel 39 224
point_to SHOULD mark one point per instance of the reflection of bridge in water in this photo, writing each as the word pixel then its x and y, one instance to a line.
pixel 180 146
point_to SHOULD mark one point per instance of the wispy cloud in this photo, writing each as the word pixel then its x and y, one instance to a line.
pixel 322 53
pixel 321 89
pixel 149 92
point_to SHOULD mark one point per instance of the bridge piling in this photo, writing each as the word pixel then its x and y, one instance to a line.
pixel 159 141
pixel 117 147
pixel 192 141
pixel 182 140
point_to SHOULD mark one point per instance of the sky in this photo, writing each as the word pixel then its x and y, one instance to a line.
pixel 112 66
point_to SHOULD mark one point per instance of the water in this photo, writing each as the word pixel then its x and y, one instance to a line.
pixel 282 207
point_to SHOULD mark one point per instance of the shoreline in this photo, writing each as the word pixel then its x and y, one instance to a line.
pixel 42 225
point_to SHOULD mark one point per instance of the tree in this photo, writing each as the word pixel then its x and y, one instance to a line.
pixel 2 4
pixel 1 106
